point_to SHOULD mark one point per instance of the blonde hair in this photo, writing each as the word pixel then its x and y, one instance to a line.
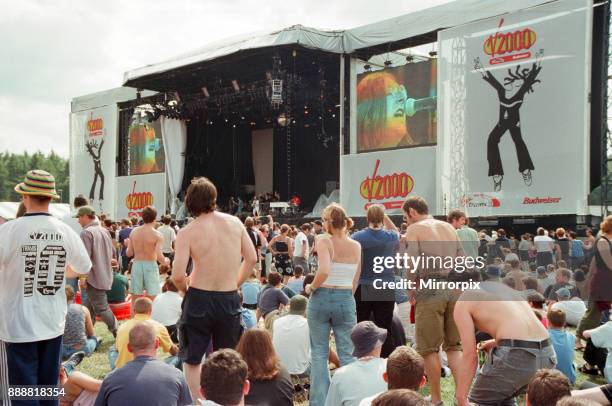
pixel 606 225
pixel 337 218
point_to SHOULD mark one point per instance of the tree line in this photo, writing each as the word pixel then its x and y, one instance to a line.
pixel 13 168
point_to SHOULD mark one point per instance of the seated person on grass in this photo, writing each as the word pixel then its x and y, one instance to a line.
pixel 142 311
pixel 563 342
pixel 547 387
pixel 79 332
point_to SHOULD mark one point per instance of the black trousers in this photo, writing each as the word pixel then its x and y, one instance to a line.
pixel 378 311
pixel 493 156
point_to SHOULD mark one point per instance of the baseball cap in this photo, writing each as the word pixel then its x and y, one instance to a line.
pixel 563 292
pixel 297 305
pixel 541 270
pixel 86 211
pixel 366 336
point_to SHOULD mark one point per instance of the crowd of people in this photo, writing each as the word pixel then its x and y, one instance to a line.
pixel 225 311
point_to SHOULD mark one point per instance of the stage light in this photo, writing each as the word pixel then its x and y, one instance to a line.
pixel 367 67
pixel 333 115
pixel 409 58
pixel 242 117
pixel 205 92
pixel 282 120
pixel 235 85
pixel 226 120
pixel 388 63
pixel 433 54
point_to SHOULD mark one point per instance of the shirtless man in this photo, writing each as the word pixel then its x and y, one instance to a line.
pixel 520 346
pixel 217 243
pixel 145 245
pixel 431 239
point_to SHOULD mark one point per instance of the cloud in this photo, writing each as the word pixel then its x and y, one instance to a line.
pixel 53 52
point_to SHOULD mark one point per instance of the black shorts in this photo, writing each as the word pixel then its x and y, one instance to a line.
pixel 208 315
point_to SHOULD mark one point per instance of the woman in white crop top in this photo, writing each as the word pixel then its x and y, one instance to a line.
pixel 332 305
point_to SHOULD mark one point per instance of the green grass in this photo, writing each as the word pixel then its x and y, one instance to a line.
pixel 97 366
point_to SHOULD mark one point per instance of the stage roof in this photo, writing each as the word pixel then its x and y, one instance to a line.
pixel 396 33
pixel 312 38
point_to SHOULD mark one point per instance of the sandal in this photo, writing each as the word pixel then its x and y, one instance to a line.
pixel 589 371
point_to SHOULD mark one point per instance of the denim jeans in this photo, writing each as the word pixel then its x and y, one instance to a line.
pixel 90 346
pixel 329 309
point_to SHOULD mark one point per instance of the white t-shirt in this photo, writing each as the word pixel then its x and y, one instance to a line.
pixel 169 237
pixel 543 243
pixel 354 382
pixel 298 247
pixel 602 338
pixel 291 341
pixel 34 252
pixel 167 308
pixel 573 309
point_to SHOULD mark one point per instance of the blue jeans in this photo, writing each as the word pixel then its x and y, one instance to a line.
pixel 329 309
pixel 90 346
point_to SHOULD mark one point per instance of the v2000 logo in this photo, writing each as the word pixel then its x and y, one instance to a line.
pixel 381 188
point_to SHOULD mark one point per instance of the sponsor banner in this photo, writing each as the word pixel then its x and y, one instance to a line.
pixel 514 109
pixel 396 107
pixel 134 193
pixel 387 178
pixel 92 156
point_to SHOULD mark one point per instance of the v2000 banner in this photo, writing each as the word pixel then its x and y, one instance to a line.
pixel 513 108
pixel 134 193
pixel 92 156
pixel 387 178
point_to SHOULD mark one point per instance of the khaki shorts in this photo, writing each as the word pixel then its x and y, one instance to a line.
pixel 434 323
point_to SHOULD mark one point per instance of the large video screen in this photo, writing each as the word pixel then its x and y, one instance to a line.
pixel 146 148
pixel 396 107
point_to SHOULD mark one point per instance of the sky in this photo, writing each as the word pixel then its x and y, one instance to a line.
pixel 54 51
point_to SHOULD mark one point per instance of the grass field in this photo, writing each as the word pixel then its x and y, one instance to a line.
pixel 97 366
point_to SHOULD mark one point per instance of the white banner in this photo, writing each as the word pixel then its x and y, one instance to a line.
pixel 514 112
pixel 92 156
pixel 136 192
pixel 387 178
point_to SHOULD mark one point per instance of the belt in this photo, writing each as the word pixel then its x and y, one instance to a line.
pixel 538 345
pixel 250 306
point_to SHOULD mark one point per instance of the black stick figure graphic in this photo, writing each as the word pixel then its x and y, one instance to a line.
pixel 94 149
pixel 509 117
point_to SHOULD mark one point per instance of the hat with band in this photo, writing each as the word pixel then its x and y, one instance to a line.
pixel 38 183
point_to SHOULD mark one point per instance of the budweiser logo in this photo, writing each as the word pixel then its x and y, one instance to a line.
pixel 509 46
pixel 136 201
pixel 541 200
pixel 377 188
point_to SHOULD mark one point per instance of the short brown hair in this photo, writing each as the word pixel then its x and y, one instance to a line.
pixel 143 305
pixel 546 387
pixel 405 369
pixel 255 347
pixel 201 197
pixel 375 214
pixel 400 397
pixel 223 376
pixel 166 219
pixel 417 203
pixel 455 215
pixel 274 278
pixel 134 220
pixel 249 222
pixel 149 214
pixel 126 222
pixel 530 283
pixel 80 201
pixel 556 317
